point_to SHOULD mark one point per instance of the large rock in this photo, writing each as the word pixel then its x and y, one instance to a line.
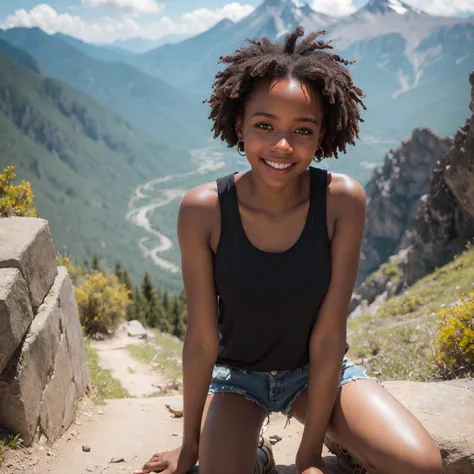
pixel 447 412
pixel 16 313
pixel 26 244
pixel 393 195
pixel 72 328
pixel 48 373
pixel 434 228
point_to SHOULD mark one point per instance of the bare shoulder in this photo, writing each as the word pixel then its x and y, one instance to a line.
pixel 199 208
pixel 346 189
pixel 347 195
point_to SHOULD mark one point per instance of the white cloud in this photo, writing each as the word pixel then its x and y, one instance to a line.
pixel 108 29
pixel 127 6
pixel 45 17
pixel 334 7
pixel 443 7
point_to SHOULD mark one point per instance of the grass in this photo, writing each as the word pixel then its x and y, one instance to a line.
pixel 397 342
pixel 8 442
pixel 104 386
pixel 164 354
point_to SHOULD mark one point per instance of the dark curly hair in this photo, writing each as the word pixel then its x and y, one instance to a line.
pixel 309 63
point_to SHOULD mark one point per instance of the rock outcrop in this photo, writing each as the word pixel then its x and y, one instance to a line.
pixel 42 363
pixel 437 226
pixel 445 220
pixel 393 196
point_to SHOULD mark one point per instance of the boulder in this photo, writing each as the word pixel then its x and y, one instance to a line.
pixel 41 384
pixel 16 313
pixel 26 244
pixel 135 329
pixel 446 410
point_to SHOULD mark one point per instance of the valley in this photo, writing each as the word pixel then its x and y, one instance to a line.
pixel 412 67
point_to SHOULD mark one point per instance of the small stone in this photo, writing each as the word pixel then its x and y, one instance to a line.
pixel 274 439
pixel 176 411
pixel 116 460
pixel 86 449
pixel 100 412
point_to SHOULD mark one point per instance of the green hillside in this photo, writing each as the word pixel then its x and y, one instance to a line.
pixel 83 161
pixel 397 342
pixel 150 104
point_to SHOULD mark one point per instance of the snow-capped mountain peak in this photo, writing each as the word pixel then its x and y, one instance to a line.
pixel 389 6
pixel 276 18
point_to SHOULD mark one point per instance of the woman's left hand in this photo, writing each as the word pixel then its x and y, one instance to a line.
pixel 310 464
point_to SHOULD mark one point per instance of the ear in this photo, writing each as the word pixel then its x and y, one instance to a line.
pixel 239 125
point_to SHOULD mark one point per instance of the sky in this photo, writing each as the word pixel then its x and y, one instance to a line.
pixel 105 21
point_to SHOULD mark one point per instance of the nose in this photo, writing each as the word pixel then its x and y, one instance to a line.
pixel 282 146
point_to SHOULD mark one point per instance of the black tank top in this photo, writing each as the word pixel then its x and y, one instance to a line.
pixel 269 301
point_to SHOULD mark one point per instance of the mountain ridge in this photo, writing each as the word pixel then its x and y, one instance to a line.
pixel 152 105
pixel 83 160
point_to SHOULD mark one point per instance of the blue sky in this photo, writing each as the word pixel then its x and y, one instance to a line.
pixel 108 20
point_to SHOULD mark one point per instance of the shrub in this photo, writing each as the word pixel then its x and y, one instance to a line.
pixel 102 302
pixel 454 343
pixel 76 272
pixel 15 200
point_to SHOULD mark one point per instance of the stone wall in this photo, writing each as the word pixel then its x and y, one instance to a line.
pixel 42 363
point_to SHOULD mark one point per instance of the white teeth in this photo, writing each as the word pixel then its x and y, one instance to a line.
pixel 278 166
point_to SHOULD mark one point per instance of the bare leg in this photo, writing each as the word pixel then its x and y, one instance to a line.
pixel 229 436
pixel 378 431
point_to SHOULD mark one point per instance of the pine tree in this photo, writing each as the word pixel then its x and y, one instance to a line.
pixel 167 308
pixel 154 315
pixel 95 263
pixel 138 309
pixel 118 271
pixel 179 317
pixel 126 280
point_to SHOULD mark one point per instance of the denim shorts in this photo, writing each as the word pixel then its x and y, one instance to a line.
pixel 277 390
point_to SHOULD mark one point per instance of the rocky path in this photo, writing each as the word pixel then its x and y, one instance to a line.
pixel 139 379
pixel 130 430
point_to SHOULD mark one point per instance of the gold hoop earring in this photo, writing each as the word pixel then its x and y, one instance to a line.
pixel 240 148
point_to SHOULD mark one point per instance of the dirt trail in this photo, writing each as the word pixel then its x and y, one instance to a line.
pixel 131 428
pixel 139 379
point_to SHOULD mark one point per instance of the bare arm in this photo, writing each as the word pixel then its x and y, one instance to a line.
pixel 201 341
pixel 327 342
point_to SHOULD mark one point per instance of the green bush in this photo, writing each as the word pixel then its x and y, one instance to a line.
pixel 454 343
pixel 102 301
pixel 15 200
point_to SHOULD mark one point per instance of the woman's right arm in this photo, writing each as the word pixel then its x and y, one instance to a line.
pixel 201 342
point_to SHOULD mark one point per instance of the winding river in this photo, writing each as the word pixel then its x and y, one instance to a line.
pixel 158 193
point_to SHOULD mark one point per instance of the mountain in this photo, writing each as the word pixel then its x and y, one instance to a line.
pixel 142 45
pixel 417 221
pixel 393 195
pixel 385 17
pixel 193 62
pixel 84 163
pixel 101 52
pixel 19 56
pixel 151 105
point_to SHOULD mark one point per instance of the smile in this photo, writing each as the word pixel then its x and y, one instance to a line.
pixel 278 166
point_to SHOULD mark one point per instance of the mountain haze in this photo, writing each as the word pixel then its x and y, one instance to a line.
pixel 152 105
pixel 83 161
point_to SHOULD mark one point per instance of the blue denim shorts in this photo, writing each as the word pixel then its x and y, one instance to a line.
pixel 277 390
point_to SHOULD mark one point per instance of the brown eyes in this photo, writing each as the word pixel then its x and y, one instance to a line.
pixel 268 127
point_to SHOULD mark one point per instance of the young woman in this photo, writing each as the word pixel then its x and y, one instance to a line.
pixel 269 261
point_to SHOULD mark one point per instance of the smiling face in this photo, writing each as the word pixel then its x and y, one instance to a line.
pixel 282 128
